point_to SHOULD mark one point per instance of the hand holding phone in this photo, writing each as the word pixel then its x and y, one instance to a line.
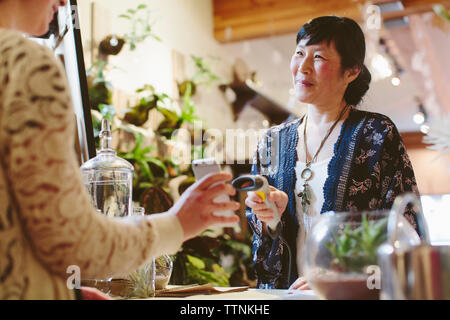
pixel 203 167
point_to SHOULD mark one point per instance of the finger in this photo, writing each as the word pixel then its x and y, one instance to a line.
pixel 294 286
pixel 223 206
pixel 257 206
pixel 254 197
pixel 268 213
pixel 212 178
pixel 298 283
pixel 224 219
pixel 218 190
pixel 273 196
pixel 265 219
pixel 304 287
pixel 301 280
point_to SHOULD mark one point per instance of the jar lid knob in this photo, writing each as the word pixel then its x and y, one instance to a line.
pixel 105 136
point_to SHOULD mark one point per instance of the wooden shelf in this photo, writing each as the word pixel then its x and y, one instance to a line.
pixel 413 140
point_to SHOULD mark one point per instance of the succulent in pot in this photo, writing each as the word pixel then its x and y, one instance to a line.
pixel 340 255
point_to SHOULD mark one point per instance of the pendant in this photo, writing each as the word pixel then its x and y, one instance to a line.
pixel 306 174
pixel 305 197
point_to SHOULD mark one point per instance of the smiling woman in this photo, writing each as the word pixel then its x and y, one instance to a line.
pixel 338 63
pixel 334 158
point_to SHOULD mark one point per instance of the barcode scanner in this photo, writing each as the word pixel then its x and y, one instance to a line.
pixel 260 186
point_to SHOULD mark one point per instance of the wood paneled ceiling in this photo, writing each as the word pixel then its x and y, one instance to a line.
pixel 236 20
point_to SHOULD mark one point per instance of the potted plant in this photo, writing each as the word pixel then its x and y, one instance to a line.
pixel 338 252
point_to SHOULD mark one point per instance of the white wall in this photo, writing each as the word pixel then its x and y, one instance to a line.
pixel 183 25
pixel 187 27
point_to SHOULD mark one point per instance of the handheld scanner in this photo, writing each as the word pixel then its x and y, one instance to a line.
pixel 260 186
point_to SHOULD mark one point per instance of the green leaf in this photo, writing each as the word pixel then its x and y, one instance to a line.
pixel 196 262
pixel 156 38
pixel 143 165
pixel 125 16
pixel 159 163
pixel 145 185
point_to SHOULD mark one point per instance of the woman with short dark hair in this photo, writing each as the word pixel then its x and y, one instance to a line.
pixel 334 158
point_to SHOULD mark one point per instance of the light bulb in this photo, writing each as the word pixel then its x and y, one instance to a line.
pixel 113 41
pixel 381 66
pixel 395 81
pixel 424 128
pixel 419 118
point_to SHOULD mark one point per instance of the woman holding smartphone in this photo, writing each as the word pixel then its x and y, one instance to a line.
pixel 47 221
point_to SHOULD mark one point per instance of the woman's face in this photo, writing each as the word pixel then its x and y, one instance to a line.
pixel 317 73
pixel 37 14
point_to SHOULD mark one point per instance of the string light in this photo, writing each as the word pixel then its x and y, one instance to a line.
pixel 419 118
pixel 381 66
pixel 395 81
pixel 424 128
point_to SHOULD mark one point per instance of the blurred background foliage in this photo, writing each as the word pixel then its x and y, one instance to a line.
pixel 222 260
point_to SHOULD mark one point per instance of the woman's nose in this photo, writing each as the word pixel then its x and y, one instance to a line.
pixel 304 66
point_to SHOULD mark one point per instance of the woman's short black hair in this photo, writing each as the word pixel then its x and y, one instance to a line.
pixel 350 43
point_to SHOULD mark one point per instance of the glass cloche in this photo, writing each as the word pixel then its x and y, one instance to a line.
pixel 340 255
pixel 109 178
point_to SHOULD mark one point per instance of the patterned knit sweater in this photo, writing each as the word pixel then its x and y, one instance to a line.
pixel 368 170
pixel 47 221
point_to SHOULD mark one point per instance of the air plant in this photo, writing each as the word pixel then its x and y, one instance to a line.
pixel 142 281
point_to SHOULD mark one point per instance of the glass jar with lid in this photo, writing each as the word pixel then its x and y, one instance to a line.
pixel 109 178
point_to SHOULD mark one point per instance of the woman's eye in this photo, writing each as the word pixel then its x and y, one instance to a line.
pixel 318 56
pixel 299 53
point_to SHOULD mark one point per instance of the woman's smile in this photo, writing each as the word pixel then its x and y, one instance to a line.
pixel 303 83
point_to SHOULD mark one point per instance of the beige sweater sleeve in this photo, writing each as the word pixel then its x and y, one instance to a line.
pixel 41 169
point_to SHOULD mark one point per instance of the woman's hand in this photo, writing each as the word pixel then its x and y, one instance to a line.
pixel 196 205
pixel 264 214
pixel 300 284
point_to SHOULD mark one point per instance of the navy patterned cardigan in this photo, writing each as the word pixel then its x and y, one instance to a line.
pixel 369 168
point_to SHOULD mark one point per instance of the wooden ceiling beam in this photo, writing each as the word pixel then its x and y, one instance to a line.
pixel 413 7
pixel 237 20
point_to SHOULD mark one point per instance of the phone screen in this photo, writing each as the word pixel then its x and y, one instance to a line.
pixel 203 167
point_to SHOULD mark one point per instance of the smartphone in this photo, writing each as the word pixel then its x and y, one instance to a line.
pixel 202 167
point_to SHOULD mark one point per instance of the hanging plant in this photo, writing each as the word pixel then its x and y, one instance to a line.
pixel 99 90
pixel 138 114
pixel 141 28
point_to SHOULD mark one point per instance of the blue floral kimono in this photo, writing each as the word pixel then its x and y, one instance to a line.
pixel 369 168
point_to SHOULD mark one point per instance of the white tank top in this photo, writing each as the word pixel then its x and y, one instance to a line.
pixel 317 182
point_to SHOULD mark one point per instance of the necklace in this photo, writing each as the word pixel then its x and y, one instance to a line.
pixel 307 173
